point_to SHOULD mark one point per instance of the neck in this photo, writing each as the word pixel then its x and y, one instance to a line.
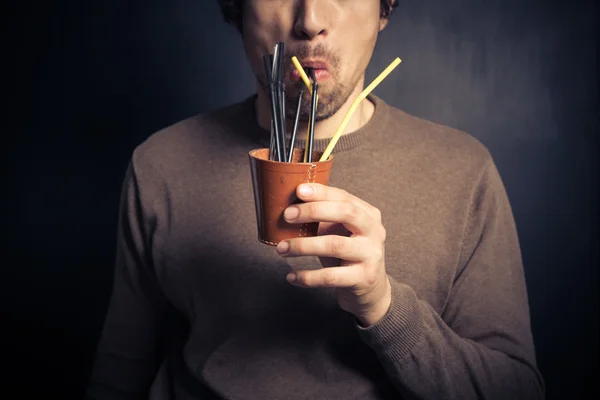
pixel 323 129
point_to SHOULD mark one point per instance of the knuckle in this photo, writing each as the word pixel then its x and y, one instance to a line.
pixel 378 253
pixel 377 214
pixel 370 279
pixel 336 246
pixel 383 234
pixel 346 196
pixel 296 246
pixel 351 212
pixel 330 279
pixel 302 279
pixel 313 210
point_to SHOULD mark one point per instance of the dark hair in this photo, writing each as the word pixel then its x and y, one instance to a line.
pixel 232 10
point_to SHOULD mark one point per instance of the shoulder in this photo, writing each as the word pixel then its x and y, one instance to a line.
pixel 433 147
pixel 437 141
pixel 192 138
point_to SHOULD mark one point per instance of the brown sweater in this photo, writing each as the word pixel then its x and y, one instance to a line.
pixel 201 310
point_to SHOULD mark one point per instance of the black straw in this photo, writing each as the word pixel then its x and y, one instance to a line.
pixel 276 109
pixel 281 99
pixel 267 61
pixel 295 128
pixel 272 148
pixel 313 110
pixel 273 64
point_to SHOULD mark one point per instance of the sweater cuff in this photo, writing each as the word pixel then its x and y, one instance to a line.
pixel 400 329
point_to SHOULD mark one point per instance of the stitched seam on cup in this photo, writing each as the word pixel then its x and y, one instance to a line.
pixel 310 176
pixel 267 242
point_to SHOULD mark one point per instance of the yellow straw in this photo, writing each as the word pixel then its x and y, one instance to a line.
pixel 309 86
pixel 354 106
pixel 302 73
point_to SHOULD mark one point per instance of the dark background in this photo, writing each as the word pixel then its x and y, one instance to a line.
pixel 85 82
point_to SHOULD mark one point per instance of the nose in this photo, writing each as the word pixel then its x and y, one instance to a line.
pixel 311 19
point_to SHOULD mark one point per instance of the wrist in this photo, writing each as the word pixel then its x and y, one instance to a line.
pixel 379 309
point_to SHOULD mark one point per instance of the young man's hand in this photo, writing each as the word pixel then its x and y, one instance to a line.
pixel 351 233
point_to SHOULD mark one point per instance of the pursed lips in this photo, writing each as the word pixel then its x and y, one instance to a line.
pixel 320 67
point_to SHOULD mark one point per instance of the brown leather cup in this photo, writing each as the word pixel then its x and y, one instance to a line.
pixel 275 184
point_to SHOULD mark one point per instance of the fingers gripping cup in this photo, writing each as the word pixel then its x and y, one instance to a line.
pixel 274 184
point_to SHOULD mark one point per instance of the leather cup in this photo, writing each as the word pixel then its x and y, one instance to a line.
pixel 274 184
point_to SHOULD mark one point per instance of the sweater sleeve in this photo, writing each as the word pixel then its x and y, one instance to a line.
pixel 481 346
pixel 126 358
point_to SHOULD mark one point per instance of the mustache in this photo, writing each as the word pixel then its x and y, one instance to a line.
pixel 305 51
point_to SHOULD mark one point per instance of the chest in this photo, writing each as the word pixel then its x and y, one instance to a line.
pixel 212 262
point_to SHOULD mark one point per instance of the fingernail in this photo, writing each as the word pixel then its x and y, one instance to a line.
pixel 291 213
pixel 283 247
pixel 306 190
pixel 291 277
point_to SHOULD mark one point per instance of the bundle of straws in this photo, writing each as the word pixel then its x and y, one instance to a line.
pixel 274 72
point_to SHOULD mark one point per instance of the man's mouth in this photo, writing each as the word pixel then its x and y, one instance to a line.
pixel 320 67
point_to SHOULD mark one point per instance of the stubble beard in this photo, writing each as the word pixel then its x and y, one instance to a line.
pixel 333 94
pixel 330 102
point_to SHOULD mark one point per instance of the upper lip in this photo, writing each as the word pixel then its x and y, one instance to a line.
pixel 314 63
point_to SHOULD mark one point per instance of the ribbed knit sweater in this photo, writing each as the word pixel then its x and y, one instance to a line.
pixel 200 309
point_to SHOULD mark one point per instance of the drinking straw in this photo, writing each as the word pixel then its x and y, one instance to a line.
pixel 283 120
pixel 267 64
pixel 354 106
pixel 295 128
pixel 313 109
pixel 280 52
pixel 281 98
pixel 309 86
pixel 302 73
pixel 272 150
pixel 274 62
pixel 272 77
pixel 276 107
pixel 307 138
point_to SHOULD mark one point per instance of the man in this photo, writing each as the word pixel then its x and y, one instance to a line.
pixel 423 295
